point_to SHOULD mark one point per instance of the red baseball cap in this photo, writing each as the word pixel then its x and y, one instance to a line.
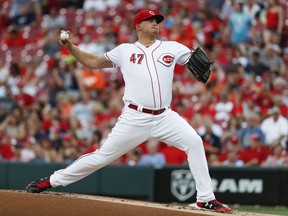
pixel 147 14
pixel 255 137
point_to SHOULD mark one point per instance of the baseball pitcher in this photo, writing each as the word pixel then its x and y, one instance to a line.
pixel 147 67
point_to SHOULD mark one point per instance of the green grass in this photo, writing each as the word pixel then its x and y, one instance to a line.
pixel 273 210
pixel 276 210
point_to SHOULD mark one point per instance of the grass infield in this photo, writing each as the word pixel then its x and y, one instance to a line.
pixel 276 210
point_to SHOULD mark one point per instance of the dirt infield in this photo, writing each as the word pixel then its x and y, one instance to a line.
pixel 16 203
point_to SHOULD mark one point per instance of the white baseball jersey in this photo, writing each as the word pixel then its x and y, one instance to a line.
pixel 149 85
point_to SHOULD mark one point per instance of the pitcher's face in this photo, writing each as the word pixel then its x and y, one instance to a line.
pixel 149 27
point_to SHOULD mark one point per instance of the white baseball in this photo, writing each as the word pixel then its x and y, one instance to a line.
pixel 64 35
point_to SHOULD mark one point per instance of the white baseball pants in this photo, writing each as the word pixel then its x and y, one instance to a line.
pixel 133 128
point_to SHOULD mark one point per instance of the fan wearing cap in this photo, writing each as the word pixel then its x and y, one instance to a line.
pixel 147 67
pixel 275 128
pixel 256 153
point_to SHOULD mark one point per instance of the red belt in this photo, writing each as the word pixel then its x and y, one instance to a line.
pixel 149 111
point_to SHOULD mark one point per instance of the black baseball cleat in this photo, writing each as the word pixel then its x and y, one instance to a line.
pixel 213 205
pixel 39 185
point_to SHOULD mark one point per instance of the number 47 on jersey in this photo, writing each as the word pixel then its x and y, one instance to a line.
pixel 136 58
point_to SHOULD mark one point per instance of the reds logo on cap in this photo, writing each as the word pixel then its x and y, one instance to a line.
pixel 147 14
pixel 166 59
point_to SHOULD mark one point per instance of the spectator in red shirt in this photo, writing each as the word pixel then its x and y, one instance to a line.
pixel 279 83
pixel 264 97
pixel 174 156
pixel 24 99
pixel 15 39
pixel 233 145
pixel 205 106
pixel 6 149
pixel 256 153
pixel 274 19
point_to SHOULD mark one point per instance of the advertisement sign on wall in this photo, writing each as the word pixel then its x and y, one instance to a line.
pixel 243 186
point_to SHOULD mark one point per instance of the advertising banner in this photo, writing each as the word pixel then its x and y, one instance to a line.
pixel 231 185
pixel 284 187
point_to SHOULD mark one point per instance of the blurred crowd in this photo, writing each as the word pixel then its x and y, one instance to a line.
pixel 52 109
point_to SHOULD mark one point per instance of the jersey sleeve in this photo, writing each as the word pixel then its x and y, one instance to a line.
pixel 113 56
pixel 183 54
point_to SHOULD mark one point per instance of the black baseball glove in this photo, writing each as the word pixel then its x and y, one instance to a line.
pixel 200 65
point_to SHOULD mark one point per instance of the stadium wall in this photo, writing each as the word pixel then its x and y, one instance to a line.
pixel 249 186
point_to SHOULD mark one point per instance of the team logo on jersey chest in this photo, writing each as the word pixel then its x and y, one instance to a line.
pixel 166 59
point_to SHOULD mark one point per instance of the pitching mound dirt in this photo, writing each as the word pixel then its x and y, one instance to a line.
pixel 21 203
